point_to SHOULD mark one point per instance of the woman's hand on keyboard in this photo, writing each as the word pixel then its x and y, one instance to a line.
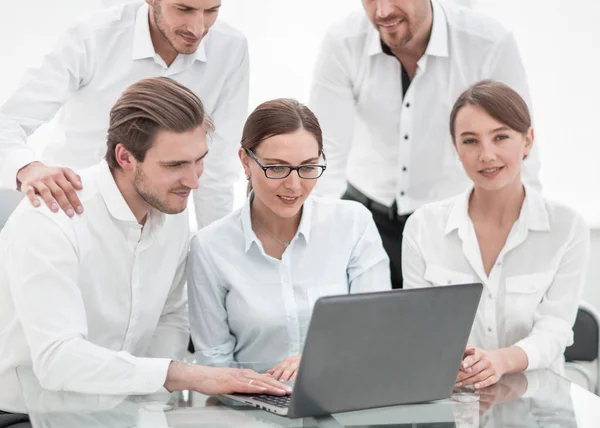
pixel 287 369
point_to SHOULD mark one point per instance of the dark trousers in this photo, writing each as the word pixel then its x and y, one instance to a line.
pixel 390 226
pixel 14 420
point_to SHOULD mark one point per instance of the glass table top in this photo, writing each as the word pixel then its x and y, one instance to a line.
pixel 532 399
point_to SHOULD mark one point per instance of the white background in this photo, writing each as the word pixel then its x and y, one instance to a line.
pixel 559 42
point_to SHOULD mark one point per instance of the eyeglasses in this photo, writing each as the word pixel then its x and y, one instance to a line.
pixel 278 172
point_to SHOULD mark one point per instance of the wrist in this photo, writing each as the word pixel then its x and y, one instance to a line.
pixel 22 170
pixel 178 377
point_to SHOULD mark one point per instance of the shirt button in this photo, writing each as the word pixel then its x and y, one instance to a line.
pixel 490 329
pixel 403 168
pixel 490 295
pixel 402 193
pixel 499 264
pixel 406 137
pixel 407 105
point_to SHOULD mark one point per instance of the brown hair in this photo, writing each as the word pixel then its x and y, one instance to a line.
pixel 499 101
pixel 278 117
pixel 147 106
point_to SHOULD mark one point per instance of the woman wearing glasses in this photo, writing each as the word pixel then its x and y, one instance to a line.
pixel 529 253
pixel 254 276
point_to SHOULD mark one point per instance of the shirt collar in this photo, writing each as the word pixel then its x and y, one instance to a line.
pixel 438 41
pixel 142 42
pixel 115 202
pixel 250 236
pixel 533 215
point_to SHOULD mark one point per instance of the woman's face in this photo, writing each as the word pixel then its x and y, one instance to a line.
pixel 491 153
pixel 284 197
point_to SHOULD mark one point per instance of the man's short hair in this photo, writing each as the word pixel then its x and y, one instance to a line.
pixel 147 106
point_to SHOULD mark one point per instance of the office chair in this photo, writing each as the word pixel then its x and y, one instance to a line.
pixel 586 345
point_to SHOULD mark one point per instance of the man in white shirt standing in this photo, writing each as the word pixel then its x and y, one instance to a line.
pixel 91 65
pixel 384 84
pixel 97 303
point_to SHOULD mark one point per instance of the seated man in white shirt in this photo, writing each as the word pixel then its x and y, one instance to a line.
pixel 384 83
pixel 255 275
pixel 529 253
pixel 97 303
pixel 79 80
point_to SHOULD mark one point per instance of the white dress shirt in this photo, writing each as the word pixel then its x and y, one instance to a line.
pixel 250 307
pixel 531 296
pixel 93 63
pixel 395 148
pixel 96 303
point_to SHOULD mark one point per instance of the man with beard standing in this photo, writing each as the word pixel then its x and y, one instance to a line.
pixel 384 84
pixel 89 68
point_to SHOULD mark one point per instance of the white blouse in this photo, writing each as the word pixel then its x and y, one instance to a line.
pixel 248 306
pixel 531 296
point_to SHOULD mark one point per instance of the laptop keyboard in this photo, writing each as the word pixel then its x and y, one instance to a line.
pixel 273 400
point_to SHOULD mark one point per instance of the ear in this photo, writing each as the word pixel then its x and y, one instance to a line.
pixel 529 137
pixel 125 159
pixel 245 159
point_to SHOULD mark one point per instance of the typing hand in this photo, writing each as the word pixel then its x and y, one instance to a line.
pixel 55 185
pixel 480 368
pixel 221 380
pixel 287 369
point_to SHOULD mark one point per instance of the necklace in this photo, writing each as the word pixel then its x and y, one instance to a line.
pixel 283 243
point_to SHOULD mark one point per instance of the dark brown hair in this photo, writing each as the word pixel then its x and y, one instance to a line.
pixel 278 117
pixel 499 101
pixel 147 106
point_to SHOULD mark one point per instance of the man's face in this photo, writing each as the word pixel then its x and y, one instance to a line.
pixel 171 169
pixel 397 21
pixel 183 23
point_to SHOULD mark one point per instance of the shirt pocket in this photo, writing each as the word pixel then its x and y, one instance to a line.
pixel 525 292
pixel 440 276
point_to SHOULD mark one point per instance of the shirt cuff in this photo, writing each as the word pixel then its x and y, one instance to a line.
pixel 12 165
pixel 151 374
pixel 533 355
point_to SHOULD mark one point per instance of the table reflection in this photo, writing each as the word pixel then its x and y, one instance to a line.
pixel 532 399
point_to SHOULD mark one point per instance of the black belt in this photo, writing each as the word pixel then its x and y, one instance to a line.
pixel 374 206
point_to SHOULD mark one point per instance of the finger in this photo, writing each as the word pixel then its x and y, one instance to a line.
pixel 71 194
pixel 491 380
pixel 46 195
pixel 464 377
pixel 287 373
pixel 295 375
pixel 277 389
pixel 73 178
pixel 470 360
pixel 477 379
pixel 30 193
pixel 61 197
pixel 279 371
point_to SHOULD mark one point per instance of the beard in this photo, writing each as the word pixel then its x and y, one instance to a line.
pixel 143 188
pixel 167 35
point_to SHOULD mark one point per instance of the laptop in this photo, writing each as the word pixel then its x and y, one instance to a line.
pixel 378 349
